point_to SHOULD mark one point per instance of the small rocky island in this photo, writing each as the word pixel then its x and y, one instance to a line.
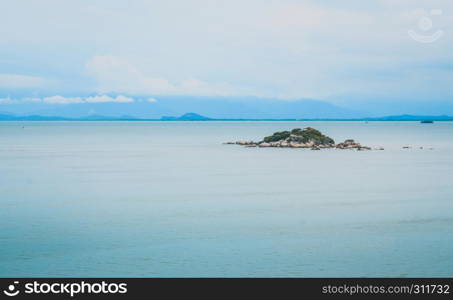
pixel 302 138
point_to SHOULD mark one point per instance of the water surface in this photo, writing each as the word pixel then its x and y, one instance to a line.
pixel 168 199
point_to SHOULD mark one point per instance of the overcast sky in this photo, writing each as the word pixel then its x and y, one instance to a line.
pixel 336 51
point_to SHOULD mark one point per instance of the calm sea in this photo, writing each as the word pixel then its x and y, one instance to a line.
pixel 168 199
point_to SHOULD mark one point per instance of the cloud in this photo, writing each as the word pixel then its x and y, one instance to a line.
pixel 307 15
pixel 105 98
pixel 152 100
pixel 6 100
pixel 21 81
pixel 115 74
pixel 285 49
pixel 61 100
pixel 69 100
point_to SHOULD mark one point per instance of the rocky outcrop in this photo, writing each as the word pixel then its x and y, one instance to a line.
pixel 302 138
pixel 351 144
pixel 245 143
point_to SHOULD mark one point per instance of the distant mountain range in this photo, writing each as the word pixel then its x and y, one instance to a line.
pixel 186 117
pixel 247 108
pixel 391 118
pixel 214 107
pixel 198 117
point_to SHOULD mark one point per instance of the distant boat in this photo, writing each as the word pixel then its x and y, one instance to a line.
pixel 426 121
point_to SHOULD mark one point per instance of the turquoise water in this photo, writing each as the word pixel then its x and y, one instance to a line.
pixel 168 199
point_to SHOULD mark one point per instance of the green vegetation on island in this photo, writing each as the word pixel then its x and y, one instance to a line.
pixel 302 138
pixel 306 135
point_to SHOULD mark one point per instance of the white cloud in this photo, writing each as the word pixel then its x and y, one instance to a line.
pixel 21 81
pixel 32 99
pixel 6 100
pixel 61 100
pixel 192 83
pixel 70 100
pixel 152 100
pixel 115 74
pixel 118 75
pixel 310 16
pixel 105 98
pixel 284 48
